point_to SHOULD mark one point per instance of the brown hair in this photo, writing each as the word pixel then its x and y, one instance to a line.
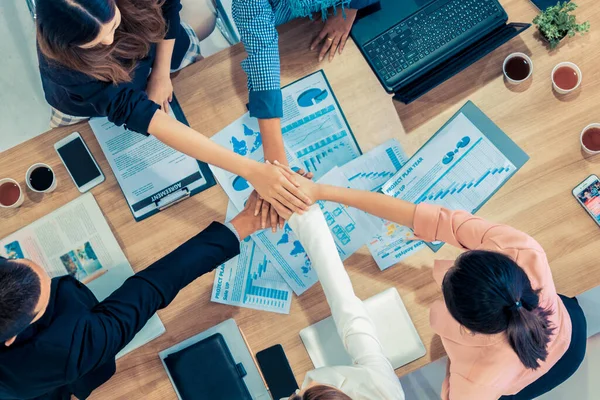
pixel 321 392
pixel 64 25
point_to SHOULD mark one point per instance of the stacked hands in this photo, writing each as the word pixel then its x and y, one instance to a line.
pixel 279 192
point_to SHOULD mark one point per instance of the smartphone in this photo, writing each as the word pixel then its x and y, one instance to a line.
pixel 587 194
pixel 542 5
pixel 277 372
pixel 78 160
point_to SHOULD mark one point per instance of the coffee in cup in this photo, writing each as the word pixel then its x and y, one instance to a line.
pixel 590 139
pixel 517 68
pixel 11 195
pixel 40 178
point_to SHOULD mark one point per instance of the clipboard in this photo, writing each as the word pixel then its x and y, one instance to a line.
pixel 161 198
pixel 509 149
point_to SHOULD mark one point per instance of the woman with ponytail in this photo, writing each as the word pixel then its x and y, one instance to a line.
pixel 113 58
pixel 507 332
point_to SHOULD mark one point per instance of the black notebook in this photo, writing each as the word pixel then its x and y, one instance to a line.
pixel 207 370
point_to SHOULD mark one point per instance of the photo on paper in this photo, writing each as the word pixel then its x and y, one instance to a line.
pixel 82 262
pixel 13 250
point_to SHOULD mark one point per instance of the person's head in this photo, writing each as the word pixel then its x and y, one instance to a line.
pixel 24 296
pixel 488 293
pixel 101 38
pixel 320 392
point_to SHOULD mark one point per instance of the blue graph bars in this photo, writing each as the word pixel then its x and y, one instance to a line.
pixel 263 295
pixel 457 188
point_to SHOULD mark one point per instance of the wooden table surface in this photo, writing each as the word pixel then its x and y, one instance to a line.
pixel 213 93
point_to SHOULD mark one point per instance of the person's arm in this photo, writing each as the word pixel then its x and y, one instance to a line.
pixel 160 88
pixel 354 326
pixel 429 222
pixel 255 20
pixel 113 323
pixel 278 190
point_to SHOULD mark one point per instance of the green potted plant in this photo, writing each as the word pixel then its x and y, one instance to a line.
pixel 558 22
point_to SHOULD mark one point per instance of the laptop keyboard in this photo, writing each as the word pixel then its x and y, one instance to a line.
pixel 425 32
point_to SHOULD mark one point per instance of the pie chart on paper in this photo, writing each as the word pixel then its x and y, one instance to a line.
pixel 312 97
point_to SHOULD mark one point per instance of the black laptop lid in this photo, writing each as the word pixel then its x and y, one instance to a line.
pixel 391 13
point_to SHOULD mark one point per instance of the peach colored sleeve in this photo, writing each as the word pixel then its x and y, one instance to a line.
pixel 466 231
pixel 457 228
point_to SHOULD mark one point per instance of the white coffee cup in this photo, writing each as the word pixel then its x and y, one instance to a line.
pixel 21 195
pixel 511 56
pixel 566 64
pixel 28 175
pixel 588 151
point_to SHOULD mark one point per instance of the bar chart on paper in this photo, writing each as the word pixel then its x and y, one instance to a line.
pixel 321 141
pixel 250 280
pixel 263 287
pixel 371 170
pixel 480 172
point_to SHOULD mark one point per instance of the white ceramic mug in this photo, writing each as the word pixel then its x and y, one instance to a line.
pixel 511 56
pixel 28 175
pixel 566 64
pixel 588 151
pixel 21 195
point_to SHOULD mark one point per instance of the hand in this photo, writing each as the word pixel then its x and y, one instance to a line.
pixel 335 32
pixel 160 89
pixel 304 181
pixel 268 214
pixel 278 187
pixel 246 222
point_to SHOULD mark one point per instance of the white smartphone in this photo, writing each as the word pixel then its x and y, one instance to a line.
pixel 587 194
pixel 78 160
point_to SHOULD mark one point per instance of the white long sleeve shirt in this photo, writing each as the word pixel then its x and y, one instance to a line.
pixel 371 377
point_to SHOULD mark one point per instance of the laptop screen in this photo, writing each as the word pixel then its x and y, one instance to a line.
pixel 391 13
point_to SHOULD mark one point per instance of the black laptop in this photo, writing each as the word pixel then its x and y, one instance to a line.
pixel 414 45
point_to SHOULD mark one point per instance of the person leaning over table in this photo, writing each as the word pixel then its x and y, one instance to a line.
pixel 112 58
pixel 256 21
pixel 507 332
pixel 371 377
pixel 58 340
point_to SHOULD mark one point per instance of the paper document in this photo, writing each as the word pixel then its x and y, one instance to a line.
pixel 243 137
pixel 150 173
pixel 369 172
pixel 351 229
pixel 76 240
pixel 374 168
pixel 250 279
pixel 314 127
pixel 459 168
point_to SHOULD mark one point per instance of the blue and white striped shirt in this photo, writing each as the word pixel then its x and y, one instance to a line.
pixel 256 21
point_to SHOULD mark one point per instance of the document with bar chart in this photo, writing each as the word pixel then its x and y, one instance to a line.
pixel 374 168
pixel 314 127
pixel 460 167
pixel 250 280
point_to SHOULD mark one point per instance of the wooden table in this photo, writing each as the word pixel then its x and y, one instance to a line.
pixel 213 93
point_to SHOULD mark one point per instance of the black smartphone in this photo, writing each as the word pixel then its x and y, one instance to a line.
pixel 543 4
pixel 277 371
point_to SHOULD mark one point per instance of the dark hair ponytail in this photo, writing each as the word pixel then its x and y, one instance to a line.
pixel 489 293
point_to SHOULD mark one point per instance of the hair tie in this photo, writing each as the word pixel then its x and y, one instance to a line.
pixel 516 306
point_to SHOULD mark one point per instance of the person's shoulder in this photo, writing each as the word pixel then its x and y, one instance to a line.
pixel 60 74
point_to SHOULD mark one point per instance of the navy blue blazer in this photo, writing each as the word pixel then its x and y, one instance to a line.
pixel 72 348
